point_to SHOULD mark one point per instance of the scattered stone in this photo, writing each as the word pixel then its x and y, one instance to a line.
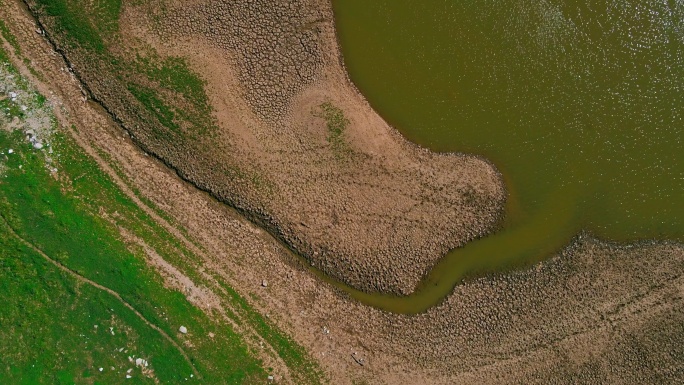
pixel 10 151
pixel 101 369
pixel 183 329
pixel 211 335
pixel 37 145
pixel 270 378
pixel 264 283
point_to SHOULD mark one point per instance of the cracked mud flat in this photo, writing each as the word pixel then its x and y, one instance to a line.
pixel 595 313
pixel 373 211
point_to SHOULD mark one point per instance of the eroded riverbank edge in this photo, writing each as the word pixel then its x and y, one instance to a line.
pixel 585 313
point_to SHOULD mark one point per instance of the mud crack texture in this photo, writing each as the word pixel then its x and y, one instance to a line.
pixel 275 43
pixel 351 195
pixel 379 218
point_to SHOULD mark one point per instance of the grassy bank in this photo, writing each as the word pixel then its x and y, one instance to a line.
pixel 88 316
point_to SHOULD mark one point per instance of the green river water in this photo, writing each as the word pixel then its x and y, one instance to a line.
pixel 577 103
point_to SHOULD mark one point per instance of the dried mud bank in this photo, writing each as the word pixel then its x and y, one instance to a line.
pixel 351 195
pixel 596 313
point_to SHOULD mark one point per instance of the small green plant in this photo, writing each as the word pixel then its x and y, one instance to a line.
pixel 336 123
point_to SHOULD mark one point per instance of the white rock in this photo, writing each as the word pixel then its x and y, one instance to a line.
pixel 183 329
pixel 13 95
pixel 37 145
pixel 10 151
pixel 24 108
pixel 101 369
pixel 128 376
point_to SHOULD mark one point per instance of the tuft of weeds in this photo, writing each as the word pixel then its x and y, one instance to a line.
pixel 336 124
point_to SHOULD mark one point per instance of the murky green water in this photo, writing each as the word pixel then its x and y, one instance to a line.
pixel 578 103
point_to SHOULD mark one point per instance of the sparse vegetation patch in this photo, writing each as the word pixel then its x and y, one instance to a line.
pixel 336 123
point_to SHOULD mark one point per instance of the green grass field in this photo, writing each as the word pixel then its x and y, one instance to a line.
pixel 57 326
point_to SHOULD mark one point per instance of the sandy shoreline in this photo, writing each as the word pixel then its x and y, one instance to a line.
pixel 586 315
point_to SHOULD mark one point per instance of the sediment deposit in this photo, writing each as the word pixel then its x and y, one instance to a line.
pixel 366 207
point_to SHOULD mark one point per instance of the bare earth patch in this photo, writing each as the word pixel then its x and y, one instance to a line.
pixel 357 200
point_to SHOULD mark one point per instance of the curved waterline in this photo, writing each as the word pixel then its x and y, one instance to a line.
pixel 517 244
pixel 579 105
pixel 531 240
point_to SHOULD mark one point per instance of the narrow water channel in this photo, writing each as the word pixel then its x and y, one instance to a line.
pixel 578 103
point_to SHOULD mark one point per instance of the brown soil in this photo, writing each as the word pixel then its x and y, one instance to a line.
pixel 595 313
pixel 375 212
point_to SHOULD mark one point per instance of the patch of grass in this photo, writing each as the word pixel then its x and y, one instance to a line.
pixel 10 109
pixel 148 97
pixel 49 327
pixel 164 86
pixel 80 27
pixel 336 123
pixel 174 74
